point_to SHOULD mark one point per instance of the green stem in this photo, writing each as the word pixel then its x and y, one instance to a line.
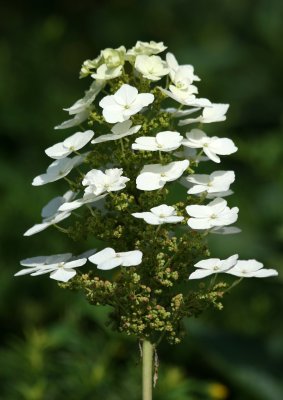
pixel 147 357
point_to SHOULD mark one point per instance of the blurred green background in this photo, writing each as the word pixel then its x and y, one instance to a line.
pixel 52 343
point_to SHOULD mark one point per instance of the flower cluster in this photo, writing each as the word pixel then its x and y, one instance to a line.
pixel 126 166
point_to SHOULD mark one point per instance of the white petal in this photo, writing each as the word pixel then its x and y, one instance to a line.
pixel 209 263
pixel 163 210
pixel 102 256
pixel 78 140
pixel 223 146
pixel 198 211
pixel 199 223
pixel 200 273
pixel 63 274
pixel 149 181
pixel 75 263
pixel 131 258
pixel 57 151
pixel 37 228
pixel 110 263
pixel 148 217
pixel 265 273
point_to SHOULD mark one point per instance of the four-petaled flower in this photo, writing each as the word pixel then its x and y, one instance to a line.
pixel 60 266
pixel 73 143
pixel 125 102
pixel 120 130
pixel 147 48
pixel 215 113
pixel 162 214
pixel 213 266
pixel 163 141
pixel 232 266
pixel 251 269
pixel 108 258
pixel 151 67
pixel 211 146
pixel 51 213
pixel 98 182
pixel 216 213
pixel 57 170
pixel 218 181
pixel 155 176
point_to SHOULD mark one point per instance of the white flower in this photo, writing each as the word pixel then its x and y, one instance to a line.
pixel 155 176
pixel 73 143
pixel 98 182
pixel 87 199
pixel 251 269
pixel 175 69
pixel 218 181
pixel 113 57
pixel 82 107
pixel 215 113
pixel 83 104
pixel 51 214
pixel 125 102
pixel 60 266
pixel 119 131
pixel 146 48
pixel 78 119
pixel 164 141
pixel 211 146
pixel 151 67
pixel 160 215
pixel 213 266
pixel 104 72
pixel 57 170
pixel 187 98
pixel 216 213
pixel 108 259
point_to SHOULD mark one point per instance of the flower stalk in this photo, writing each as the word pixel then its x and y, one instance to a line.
pixel 147 369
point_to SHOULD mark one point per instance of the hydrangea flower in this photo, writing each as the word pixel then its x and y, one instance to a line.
pixel 155 176
pixel 73 143
pixel 78 119
pixel 174 70
pixel 232 266
pixel 211 146
pixel 160 215
pixel 99 182
pixel 146 48
pixel 213 266
pixel 163 141
pixel 142 147
pixel 251 269
pixel 82 107
pixel 51 214
pixel 188 98
pixel 218 181
pixel 84 103
pixel 215 113
pixel 108 258
pixel 125 102
pixel 151 67
pixel 61 266
pixel 57 170
pixel 216 213
pixel 104 72
pixel 119 130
